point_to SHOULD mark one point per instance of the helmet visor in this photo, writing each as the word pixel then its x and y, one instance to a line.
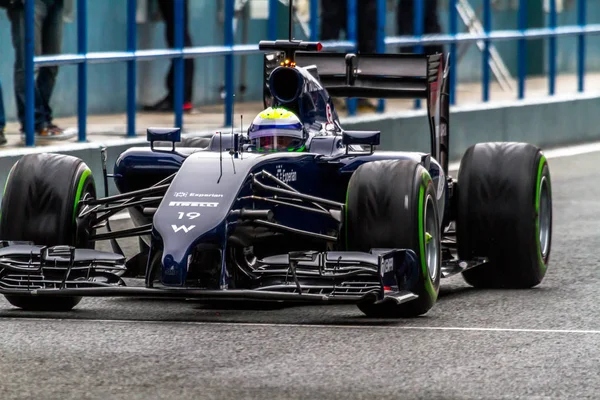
pixel 277 139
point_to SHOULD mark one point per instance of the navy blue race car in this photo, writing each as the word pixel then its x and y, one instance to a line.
pixel 295 209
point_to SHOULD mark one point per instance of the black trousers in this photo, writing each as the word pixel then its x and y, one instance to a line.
pixel 168 13
pixel 333 21
pixel 405 23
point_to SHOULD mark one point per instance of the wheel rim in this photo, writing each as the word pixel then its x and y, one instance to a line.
pixel 431 238
pixel 544 216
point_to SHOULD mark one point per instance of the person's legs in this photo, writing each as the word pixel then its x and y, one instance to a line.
pixel 189 63
pixel 52 35
pixel 432 25
pixel 188 78
pixel 367 26
pixel 333 19
pixel 2 115
pixel 168 13
pixel 405 23
pixel 16 16
pixel 2 119
pixel 367 40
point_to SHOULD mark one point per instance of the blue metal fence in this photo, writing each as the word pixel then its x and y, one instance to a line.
pixel 229 49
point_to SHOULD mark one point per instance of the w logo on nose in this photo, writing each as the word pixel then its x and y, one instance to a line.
pixel 186 229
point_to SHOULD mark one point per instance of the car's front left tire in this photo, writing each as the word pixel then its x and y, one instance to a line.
pixel 40 204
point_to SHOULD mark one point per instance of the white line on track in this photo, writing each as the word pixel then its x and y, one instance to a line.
pixel 559 152
pixel 311 326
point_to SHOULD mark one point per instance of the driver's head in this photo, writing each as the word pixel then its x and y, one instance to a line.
pixel 277 129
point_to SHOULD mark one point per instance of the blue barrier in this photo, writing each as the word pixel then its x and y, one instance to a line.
pixel 453 28
pixel 487 27
pixel 131 68
pixel 229 50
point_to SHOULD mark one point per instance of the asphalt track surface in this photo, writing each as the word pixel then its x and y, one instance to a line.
pixel 542 343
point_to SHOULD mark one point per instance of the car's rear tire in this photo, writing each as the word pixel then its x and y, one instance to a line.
pixel 392 204
pixel 40 204
pixel 505 214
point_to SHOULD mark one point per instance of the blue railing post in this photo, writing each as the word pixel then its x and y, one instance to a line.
pixel 485 68
pixel 352 36
pixel 522 49
pixel 272 29
pixel 381 17
pixel 314 20
pixel 131 66
pixel 29 75
pixel 178 13
pixel 82 70
pixel 229 70
pixel 453 25
pixel 552 51
pixel 419 28
pixel 581 6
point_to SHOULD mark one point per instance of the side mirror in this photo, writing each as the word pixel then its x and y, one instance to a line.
pixel 369 138
pixel 172 135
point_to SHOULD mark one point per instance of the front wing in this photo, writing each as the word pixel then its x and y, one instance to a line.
pixel 341 277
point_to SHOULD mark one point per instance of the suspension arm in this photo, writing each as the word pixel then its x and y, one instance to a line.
pixel 297 195
pixel 137 231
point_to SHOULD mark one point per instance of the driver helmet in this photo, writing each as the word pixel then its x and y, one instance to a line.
pixel 277 129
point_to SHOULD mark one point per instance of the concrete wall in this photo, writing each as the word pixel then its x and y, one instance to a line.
pixel 550 123
pixel 107 32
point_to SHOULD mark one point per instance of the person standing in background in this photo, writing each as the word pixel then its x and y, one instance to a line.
pixel 167 103
pixel 49 16
pixel 333 21
pixel 2 119
pixel 406 23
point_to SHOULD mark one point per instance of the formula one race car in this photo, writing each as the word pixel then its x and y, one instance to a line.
pixel 297 210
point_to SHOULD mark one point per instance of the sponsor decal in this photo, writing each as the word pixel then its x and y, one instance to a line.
pixel 285 176
pixel 184 228
pixel 329 113
pixel 188 194
pixel 171 271
pixel 387 265
pixel 192 204
pixel 441 181
pixel 205 195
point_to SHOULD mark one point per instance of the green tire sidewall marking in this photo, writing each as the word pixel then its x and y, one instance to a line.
pixel 346 216
pixel 6 184
pixel 84 175
pixel 542 264
pixel 426 178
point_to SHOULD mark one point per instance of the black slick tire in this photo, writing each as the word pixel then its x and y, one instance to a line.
pixel 40 204
pixel 504 213
pixel 386 206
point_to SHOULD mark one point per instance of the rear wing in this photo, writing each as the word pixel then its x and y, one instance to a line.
pixel 374 75
pixel 384 76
